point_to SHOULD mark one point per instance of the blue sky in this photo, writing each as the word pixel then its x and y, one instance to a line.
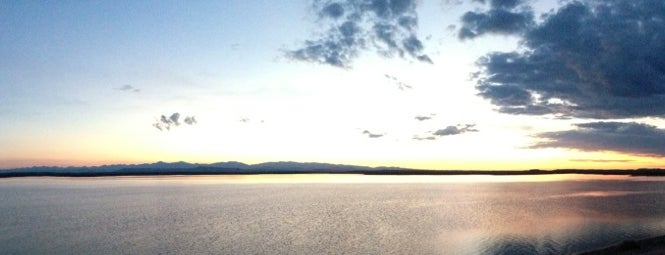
pixel 466 85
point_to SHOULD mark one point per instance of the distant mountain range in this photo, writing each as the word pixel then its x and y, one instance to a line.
pixel 282 167
pixel 230 167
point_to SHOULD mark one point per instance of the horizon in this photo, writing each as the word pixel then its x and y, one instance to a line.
pixel 195 164
pixel 445 84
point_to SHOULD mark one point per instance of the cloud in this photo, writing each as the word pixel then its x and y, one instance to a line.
pixel 624 137
pixel 503 17
pixel 128 88
pixel 372 135
pixel 588 59
pixel 168 122
pixel 387 27
pixel 423 117
pixel 447 131
pixel 158 126
pixel 400 84
pixel 248 120
pixel 424 138
pixel 451 2
pixel 190 120
pixel 455 130
pixel 504 4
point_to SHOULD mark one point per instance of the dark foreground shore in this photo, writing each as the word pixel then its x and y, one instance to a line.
pixel 648 246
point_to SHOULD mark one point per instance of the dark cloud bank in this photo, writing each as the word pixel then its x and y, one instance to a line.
pixel 631 138
pixel 587 59
pixel 593 59
pixel 590 59
pixel 350 26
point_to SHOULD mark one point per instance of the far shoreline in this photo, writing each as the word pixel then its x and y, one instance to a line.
pixel 395 172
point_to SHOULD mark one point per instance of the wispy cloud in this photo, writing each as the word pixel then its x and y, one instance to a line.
pixel 455 130
pixel 128 88
pixel 424 138
pixel 624 137
pixel 447 131
pixel 400 84
pixel 372 135
pixel 451 2
pixel 388 27
pixel 424 117
pixel 168 122
pixel 588 59
pixel 248 120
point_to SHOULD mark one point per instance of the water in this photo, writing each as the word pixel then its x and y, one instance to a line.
pixel 318 214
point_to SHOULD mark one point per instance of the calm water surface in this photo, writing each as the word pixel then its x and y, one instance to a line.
pixel 317 214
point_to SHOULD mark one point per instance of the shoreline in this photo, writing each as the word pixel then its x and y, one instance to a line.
pixel 647 246
pixel 230 171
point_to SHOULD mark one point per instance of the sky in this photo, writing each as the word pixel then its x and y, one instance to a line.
pixel 432 84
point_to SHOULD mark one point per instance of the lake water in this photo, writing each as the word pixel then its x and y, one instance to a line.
pixel 324 214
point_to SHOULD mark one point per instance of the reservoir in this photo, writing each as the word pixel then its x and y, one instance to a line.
pixel 327 214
